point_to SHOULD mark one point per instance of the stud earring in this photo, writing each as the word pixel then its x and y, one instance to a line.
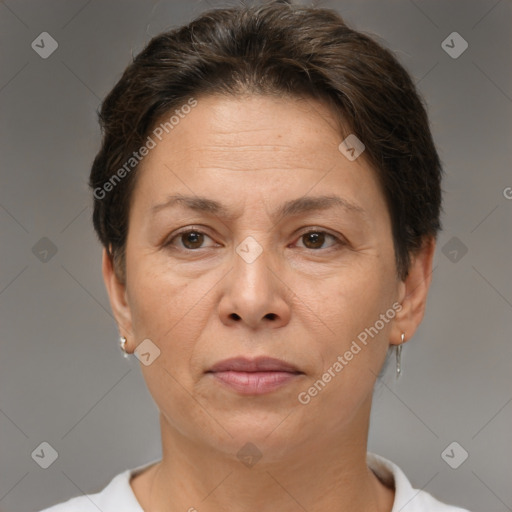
pixel 399 357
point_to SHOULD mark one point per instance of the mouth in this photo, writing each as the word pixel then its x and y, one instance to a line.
pixel 254 376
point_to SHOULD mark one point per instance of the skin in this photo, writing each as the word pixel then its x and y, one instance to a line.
pixel 302 301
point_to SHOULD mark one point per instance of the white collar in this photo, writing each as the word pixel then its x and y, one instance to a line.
pixel 407 499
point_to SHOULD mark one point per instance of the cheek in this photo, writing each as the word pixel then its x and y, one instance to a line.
pixel 350 308
pixel 167 309
pixel 161 303
pixel 173 310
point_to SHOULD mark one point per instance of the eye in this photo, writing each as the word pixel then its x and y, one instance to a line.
pixel 315 239
pixel 190 239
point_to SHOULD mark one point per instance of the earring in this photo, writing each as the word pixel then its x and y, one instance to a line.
pixel 122 344
pixel 399 357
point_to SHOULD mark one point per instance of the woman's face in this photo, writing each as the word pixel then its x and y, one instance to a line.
pixel 248 281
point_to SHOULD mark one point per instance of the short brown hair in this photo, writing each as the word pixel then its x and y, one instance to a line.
pixel 276 48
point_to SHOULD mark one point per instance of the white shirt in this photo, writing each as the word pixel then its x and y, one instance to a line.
pixel 118 495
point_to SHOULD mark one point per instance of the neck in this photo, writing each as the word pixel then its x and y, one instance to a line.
pixel 325 473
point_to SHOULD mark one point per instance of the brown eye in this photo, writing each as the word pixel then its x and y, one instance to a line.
pixel 315 239
pixel 192 239
pixel 187 240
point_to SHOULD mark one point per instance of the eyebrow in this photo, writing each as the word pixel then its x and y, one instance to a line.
pixel 287 209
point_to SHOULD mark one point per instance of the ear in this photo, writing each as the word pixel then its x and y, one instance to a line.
pixel 413 293
pixel 117 294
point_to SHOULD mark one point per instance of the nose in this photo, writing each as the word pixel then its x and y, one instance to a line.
pixel 255 293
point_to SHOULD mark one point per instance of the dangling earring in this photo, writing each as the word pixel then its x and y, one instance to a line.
pixel 122 344
pixel 399 357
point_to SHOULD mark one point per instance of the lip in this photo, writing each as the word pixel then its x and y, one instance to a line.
pixel 254 376
pixel 259 364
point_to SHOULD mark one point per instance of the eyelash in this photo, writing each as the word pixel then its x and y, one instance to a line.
pixel 338 241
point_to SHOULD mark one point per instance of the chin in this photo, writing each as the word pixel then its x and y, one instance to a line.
pixel 271 432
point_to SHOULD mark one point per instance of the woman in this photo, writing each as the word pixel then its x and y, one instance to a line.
pixel 267 194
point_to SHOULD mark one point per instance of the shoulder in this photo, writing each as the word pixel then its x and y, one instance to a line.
pixel 118 493
pixel 407 498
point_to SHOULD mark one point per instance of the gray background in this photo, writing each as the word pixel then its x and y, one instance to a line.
pixel 62 377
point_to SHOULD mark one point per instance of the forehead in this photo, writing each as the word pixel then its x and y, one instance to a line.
pixel 289 131
pixel 254 146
